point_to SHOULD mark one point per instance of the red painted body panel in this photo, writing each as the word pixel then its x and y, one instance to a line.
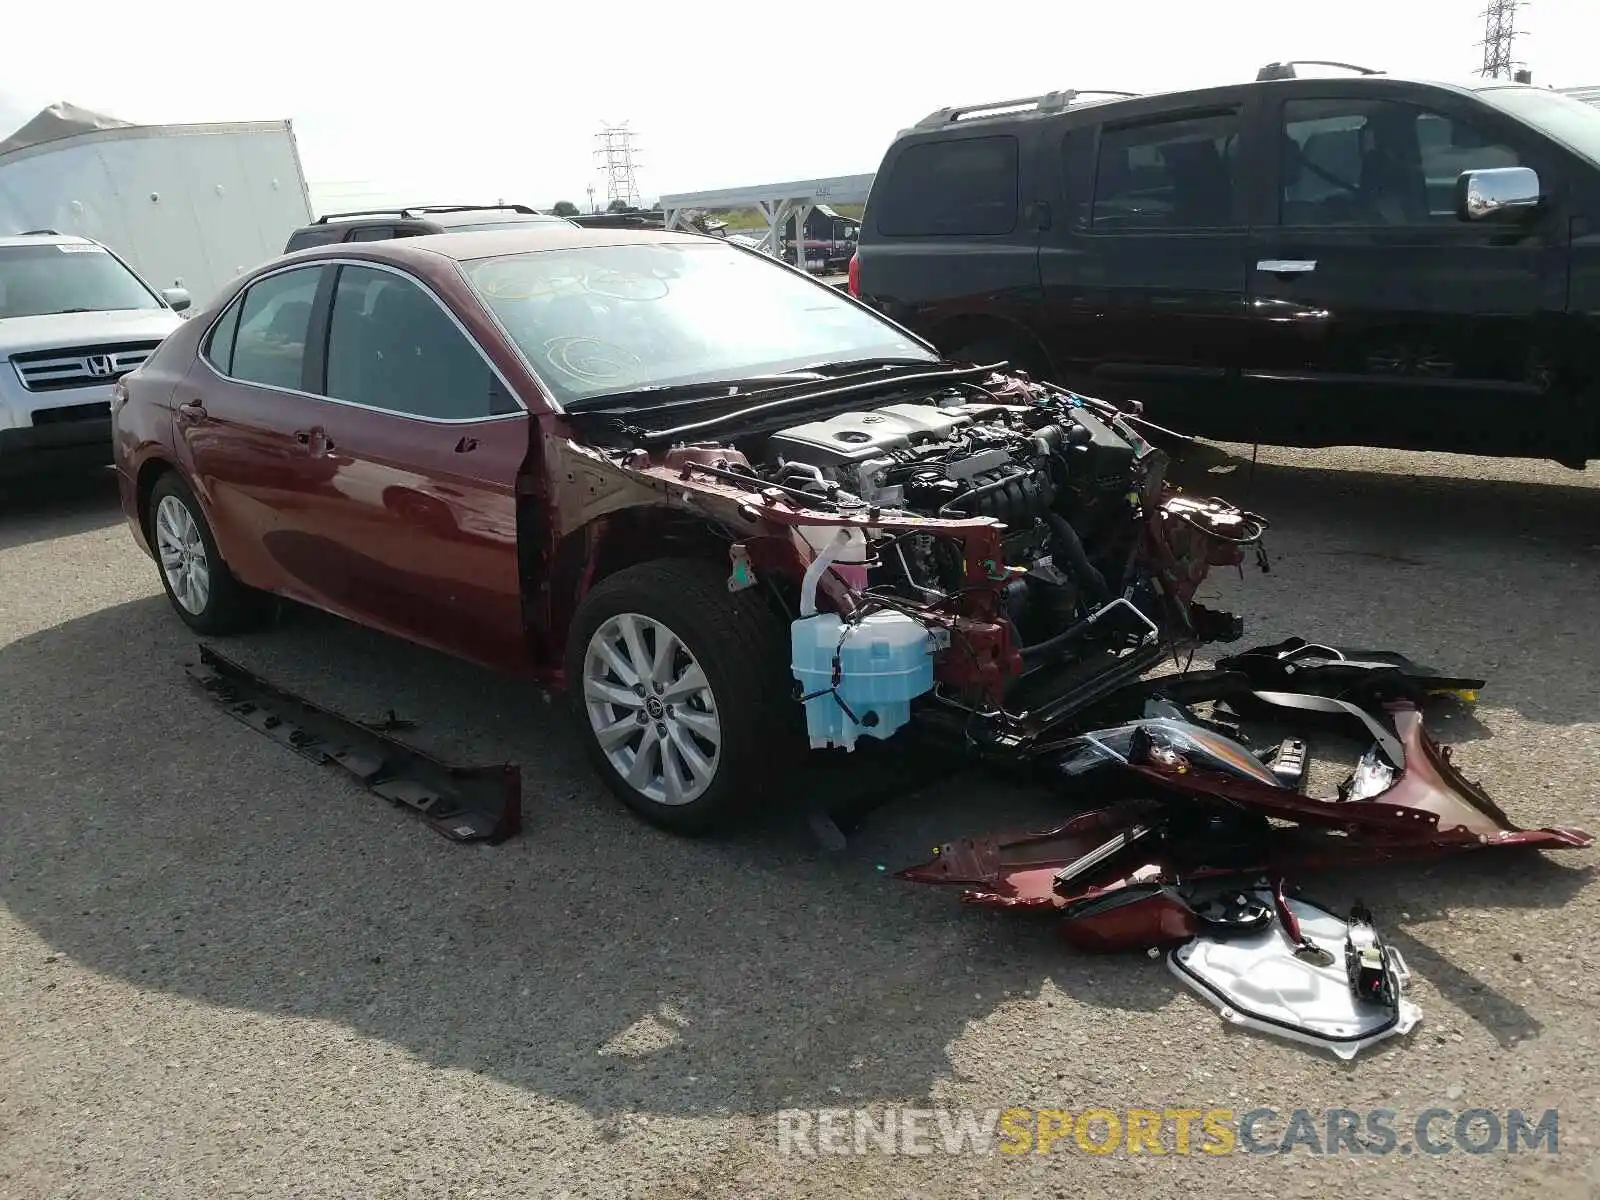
pixel 1431 809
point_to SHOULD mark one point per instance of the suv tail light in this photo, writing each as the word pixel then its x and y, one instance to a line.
pixel 855 274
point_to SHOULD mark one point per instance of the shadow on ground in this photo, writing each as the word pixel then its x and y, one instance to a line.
pixel 592 960
pixel 35 510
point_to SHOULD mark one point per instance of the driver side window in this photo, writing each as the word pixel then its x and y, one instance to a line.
pixel 1376 163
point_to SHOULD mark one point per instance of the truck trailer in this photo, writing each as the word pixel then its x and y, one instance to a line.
pixel 187 206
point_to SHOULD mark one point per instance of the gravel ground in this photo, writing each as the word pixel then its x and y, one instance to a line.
pixel 226 972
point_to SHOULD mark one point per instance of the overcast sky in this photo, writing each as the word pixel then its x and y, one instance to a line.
pixel 472 100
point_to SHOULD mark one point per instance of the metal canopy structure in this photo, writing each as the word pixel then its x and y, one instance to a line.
pixel 779 203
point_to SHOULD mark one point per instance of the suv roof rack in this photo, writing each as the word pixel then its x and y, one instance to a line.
pixel 1286 69
pixel 420 209
pixel 1047 103
pixel 40 233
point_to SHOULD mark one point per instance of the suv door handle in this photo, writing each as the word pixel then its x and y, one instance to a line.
pixel 1287 266
pixel 194 409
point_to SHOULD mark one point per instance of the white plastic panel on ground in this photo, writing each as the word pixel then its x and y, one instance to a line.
pixel 1258 983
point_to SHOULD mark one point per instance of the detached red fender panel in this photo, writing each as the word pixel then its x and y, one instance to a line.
pixel 1114 869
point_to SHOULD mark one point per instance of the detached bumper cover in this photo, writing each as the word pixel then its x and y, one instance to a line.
pixel 1199 812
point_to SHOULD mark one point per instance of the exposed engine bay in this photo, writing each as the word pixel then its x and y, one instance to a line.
pixel 1099 558
pixel 977 547
pixel 1058 477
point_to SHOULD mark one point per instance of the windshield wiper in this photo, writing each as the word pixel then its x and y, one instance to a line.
pixel 654 394
pixel 61 312
pixel 817 389
pixel 864 364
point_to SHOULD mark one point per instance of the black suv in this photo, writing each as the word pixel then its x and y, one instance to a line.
pixel 379 225
pixel 1360 260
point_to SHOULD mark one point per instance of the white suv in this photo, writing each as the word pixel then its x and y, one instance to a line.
pixel 74 318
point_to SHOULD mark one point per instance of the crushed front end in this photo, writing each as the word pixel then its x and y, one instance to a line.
pixel 972 551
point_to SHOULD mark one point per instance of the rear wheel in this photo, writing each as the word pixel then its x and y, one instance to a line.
pixel 198 583
pixel 682 694
pixel 1017 351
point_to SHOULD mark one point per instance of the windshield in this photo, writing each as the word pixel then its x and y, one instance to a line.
pixel 1571 122
pixel 600 319
pixel 64 277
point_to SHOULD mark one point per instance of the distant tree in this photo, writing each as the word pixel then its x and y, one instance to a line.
pixel 619 205
pixel 565 208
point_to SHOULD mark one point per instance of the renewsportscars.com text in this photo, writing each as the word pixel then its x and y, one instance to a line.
pixel 1178 1131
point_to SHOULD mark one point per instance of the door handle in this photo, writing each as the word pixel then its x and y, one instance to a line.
pixel 194 410
pixel 316 440
pixel 466 445
pixel 1287 266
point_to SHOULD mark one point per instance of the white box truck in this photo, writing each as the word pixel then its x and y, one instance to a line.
pixel 187 206
pixel 107 231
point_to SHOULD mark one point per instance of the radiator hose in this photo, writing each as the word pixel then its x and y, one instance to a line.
pixel 1071 545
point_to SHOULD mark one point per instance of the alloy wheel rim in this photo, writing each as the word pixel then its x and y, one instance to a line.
pixel 651 709
pixel 183 555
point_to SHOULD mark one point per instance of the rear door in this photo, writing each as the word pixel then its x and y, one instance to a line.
pixel 944 244
pixel 1379 317
pixel 412 467
pixel 1143 269
pixel 236 413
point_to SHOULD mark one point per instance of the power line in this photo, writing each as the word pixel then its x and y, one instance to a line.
pixel 615 149
pixel 1500 39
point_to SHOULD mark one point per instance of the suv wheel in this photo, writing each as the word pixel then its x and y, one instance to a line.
pixel 1017 351
pixel 197 581
pixel 682 694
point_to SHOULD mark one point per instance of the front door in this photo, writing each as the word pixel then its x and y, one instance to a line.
pixel 1144 275
pixel 1379 317
pixel 419 443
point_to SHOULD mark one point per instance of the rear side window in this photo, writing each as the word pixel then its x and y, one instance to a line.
pixel 962 187
pixel 391 346
pixel 219 344
pixel 270 346
pixel 1167 175
pixel 372 233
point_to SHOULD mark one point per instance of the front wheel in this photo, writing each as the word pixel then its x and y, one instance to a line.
pixel 682 694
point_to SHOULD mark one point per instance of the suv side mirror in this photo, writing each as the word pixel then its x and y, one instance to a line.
pixel 177 298
pixel 1485 195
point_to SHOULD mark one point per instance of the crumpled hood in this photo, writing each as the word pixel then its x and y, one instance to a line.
pixel 21 334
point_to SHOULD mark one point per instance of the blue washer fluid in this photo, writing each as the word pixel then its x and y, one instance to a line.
pixel 885 662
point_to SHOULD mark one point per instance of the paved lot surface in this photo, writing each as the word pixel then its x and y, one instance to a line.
pixel 224 972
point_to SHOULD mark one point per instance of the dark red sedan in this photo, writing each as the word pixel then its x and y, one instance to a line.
pixel 621 460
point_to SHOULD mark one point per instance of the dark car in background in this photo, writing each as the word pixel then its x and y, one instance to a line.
pixel 377 225
pixel 1346 260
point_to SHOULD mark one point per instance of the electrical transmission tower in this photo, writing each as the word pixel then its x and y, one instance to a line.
pixel 1500 38
pixel 615 151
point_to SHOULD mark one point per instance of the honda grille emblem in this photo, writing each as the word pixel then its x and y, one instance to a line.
pixel 99 365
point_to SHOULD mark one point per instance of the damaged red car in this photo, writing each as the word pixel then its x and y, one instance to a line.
pixel 731 510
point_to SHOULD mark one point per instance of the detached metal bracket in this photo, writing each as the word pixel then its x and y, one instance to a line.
pixel 464 804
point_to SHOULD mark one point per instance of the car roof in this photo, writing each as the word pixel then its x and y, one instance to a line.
pixel 484 217
pixel 45 239
pixel 492 243
pixel 948 121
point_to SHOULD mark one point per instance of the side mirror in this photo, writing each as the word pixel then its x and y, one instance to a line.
pixel 177 298
pixel 1499 191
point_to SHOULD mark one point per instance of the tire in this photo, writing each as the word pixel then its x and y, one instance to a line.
pixel 211 601
pixel 744 726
